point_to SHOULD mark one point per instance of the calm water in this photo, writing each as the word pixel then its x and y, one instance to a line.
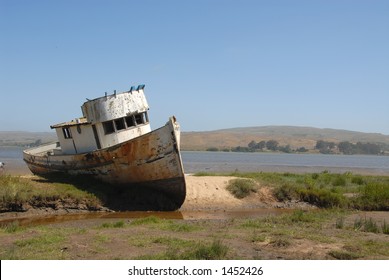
pixel 229 162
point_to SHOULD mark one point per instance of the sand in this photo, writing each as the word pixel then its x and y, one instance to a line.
pixel 208 192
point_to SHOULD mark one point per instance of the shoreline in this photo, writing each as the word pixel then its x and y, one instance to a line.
pixel 19 168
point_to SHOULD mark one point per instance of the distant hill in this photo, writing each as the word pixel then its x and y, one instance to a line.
pixel 23 138
pixel 294 136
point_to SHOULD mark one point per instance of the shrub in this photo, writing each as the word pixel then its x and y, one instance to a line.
pixel 241 188
pixel 373 196
pixel 358 180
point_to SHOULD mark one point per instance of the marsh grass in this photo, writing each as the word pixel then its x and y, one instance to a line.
pixel 118 224
pixel 385 227
pixel 150 220
pixel 214 251
pixel 16 191
pixel 241 188
pixel 164 224
pixel 297 218
pixel 189 250
pixel 343 255
pixel 366 225
pixel 281 241
pixel 11 227
pixel 339 224
pixel 325 190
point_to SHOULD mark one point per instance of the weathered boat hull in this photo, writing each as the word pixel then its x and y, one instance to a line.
pixel 151 161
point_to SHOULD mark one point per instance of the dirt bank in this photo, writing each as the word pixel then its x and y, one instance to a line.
pixel 210 193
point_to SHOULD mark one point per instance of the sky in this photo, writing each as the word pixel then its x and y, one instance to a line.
pixel 214 64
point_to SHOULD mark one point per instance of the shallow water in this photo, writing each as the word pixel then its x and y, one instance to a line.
pixel 174 215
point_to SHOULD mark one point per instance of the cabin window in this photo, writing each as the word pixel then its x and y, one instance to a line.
pixel 108 127
pixel 119 124
pixel 130 121
pixel 138 119
pixel 66 132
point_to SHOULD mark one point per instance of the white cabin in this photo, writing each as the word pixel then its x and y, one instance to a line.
pixel 106 121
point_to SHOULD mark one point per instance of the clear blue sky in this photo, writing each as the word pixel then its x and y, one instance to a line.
pixel 214 64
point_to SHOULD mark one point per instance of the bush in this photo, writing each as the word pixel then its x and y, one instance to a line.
pixel 322 197
pixel 339 181
pixel 358 180
pixel 241 188
pixel 285 192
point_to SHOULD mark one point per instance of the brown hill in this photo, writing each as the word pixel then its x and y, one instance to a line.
pixel 294 136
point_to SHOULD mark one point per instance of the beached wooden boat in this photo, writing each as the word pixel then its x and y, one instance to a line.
pixel 113 142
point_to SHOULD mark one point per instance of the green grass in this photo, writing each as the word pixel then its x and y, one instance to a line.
pixel 46 245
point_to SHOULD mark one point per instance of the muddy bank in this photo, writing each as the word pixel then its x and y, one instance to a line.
pixel 206 195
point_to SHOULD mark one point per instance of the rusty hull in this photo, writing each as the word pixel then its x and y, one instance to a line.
pixel 150 161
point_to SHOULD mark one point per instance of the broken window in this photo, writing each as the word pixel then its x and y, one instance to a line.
pixel 119 124
pixel 130 121
pixel 108 127
pixel 66 132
